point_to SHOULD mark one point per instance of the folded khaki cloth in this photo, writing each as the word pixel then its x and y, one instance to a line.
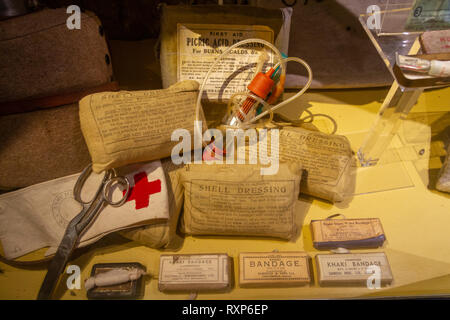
pixel 327 159
pixel 40 57
pixel 41 145
pixel 131 126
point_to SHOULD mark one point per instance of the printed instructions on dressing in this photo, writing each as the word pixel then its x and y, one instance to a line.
pixel 199 45
pixel 264 207
pixel 129 120
pixel 326 157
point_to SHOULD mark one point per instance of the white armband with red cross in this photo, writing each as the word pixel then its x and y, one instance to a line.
pixel 37 216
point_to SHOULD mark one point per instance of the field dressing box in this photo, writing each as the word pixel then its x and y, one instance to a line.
pixel 194 272
pixel 274 269
pixel 354 269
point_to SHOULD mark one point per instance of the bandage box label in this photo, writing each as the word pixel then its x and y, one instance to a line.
pixel 194 272
pixel 199 45
pixel 353 269
pixel 347 233
pixel 274 269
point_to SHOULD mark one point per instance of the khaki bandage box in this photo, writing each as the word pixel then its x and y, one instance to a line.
pixel 274 269
pixel 353 269
pixel 194 272
pixel 237 200
pixel 134 126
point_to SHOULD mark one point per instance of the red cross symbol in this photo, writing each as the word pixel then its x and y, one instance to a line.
pixel 142 190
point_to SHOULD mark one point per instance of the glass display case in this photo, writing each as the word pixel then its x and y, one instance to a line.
pixel 385 27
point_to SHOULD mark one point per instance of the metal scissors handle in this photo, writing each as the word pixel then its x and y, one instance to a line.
pixel 80 223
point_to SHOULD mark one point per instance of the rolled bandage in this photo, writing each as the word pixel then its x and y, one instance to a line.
pixel 113 277
pixel 435 68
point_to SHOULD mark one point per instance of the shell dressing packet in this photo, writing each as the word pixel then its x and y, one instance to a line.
pixel 236 199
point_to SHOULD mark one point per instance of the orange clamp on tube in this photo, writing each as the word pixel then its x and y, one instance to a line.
pixel 260 86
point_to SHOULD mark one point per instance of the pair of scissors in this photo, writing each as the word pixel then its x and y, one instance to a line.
pixel 80 223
